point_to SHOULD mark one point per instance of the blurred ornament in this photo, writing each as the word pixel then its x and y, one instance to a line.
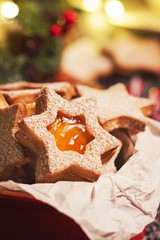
pixel 70 16
pixel 32 45
pixel 65 23
pixel 69 27
pixel 56 30
pixel 136 86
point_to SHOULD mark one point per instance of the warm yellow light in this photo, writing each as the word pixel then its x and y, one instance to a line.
pixel 92 5
pixel 97 21
pixel 114 9
pixel 9 10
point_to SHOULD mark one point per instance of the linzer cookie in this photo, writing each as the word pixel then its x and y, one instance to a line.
pixel 12 152
pixel 26 92
pixel 56 139
pixel 117 109
pixel 68 137
pixel 83 61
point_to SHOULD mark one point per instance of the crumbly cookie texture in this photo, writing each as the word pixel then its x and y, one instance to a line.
pixel 117 109
pixel 146 105
pixel 26 140
pixel 12 152
pixel 53 164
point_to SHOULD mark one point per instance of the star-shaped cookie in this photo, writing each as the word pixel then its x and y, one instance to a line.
pixel 26 92
pixel 131 53
pixel 146 105
pixel 116 108
pixel 11 151
pixel 54 164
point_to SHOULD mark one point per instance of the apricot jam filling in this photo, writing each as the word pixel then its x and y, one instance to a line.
pixel 70 133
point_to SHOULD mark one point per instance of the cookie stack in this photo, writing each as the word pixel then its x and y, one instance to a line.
pixel 56 131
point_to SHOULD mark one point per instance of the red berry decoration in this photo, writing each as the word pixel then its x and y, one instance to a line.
pixel 70 16
pixel 55 30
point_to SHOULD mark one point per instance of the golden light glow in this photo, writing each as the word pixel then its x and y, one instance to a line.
pixel 114 9
pixel 97 21
pixel 92 5
pixel 9 10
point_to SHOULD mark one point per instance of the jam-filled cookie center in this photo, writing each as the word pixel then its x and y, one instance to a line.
pixel 70 133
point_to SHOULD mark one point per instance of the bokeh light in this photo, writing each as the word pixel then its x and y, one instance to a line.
pixel 97 21
pixel 114 9
pixel 92 5
pixel 9 10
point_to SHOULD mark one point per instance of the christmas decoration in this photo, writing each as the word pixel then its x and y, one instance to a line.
pixel 32 50
pixel 64 23
pixel 70 16
pixel 55 30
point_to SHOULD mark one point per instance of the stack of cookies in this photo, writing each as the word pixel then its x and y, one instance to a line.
pixel 56 131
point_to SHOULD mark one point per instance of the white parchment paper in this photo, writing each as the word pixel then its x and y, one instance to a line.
pixel 117 206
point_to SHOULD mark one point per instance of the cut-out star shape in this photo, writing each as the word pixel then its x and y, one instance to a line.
pixel 54 164
pixel 118 109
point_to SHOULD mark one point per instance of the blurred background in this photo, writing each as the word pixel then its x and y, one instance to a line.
pixel 94 42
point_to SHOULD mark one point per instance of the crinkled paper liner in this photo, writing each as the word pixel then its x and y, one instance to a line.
pixel 117 206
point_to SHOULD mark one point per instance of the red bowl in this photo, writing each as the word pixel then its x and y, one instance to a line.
pixel 23 217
